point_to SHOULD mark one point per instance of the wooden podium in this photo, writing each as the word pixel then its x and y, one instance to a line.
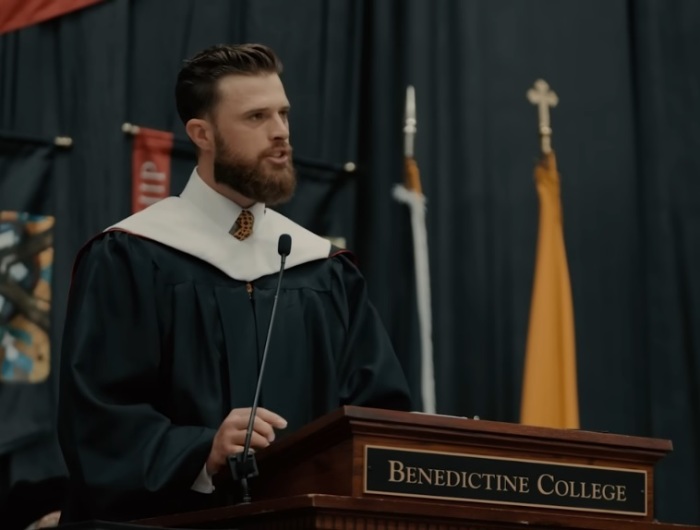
pixel 370 469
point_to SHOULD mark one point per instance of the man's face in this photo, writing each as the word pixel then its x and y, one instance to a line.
pixel 251 133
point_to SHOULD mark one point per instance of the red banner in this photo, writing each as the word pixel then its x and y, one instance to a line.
pixel 150 167
pixel 16 14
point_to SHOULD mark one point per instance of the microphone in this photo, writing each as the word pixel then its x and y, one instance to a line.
pixel 243 465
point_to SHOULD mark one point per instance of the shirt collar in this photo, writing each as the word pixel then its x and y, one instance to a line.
pixel 218 208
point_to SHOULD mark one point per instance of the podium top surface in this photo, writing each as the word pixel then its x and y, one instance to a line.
pixel 380 421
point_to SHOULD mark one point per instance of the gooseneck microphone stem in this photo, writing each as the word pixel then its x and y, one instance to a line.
pixel 243 465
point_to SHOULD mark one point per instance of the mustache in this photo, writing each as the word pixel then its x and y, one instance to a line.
pixel 284 148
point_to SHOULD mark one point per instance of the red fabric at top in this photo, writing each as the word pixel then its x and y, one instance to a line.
pixel 16 14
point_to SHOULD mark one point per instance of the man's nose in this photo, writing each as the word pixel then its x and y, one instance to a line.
pixel 280 128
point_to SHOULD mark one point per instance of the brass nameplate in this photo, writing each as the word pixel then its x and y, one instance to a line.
pixel 497 480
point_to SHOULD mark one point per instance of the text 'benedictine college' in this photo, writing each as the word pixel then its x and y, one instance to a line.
pixel 546 484
pixel 504 480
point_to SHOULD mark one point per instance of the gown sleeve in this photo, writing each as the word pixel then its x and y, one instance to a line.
pixel 117 442
pixel 369 372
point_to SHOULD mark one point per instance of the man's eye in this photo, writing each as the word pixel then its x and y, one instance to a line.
pixel 257 116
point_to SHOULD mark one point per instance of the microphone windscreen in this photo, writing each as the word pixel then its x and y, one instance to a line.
pixel 284 245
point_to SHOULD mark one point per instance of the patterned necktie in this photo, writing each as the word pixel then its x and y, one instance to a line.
pixel 243 226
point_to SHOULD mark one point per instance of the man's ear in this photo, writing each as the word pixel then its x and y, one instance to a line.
pixel 201 134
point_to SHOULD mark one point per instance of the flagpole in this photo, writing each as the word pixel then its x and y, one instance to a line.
pixel 550 389
pixel 411 194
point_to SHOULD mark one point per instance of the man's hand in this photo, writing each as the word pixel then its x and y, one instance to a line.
pixel 230 438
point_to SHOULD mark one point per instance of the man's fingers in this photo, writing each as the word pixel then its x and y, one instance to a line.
pixel 230 438
pixel 230 449
pixel 264 429
pixel 257 440
pixel 240 423
pixel 277 421
pixel 233 436
pixel 241 417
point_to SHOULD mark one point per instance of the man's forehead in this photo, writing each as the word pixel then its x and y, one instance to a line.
pixel 252 90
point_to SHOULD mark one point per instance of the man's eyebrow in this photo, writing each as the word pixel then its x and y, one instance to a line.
pixel 264 109
pixel 256 110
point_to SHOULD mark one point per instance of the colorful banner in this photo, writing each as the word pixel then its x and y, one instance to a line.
pixel 26 262
pixel 16 14
pixel 150 167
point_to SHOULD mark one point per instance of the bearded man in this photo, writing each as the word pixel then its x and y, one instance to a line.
pixel 169 309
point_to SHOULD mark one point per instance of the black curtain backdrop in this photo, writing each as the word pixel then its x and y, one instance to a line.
pixel 626 134
pixel 667 110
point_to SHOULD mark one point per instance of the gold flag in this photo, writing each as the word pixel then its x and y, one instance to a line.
pixel 550 394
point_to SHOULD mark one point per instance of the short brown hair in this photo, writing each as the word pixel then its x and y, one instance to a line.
pixel 195 91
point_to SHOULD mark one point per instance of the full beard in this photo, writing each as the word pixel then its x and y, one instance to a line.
pixel 271 186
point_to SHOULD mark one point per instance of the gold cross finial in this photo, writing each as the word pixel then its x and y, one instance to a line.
pixel 544 98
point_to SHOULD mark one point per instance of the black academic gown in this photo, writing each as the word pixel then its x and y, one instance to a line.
pixel 160 346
